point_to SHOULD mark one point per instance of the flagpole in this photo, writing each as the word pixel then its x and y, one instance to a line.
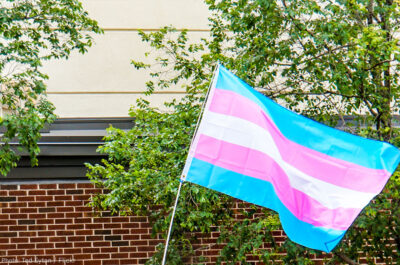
pixel 182 179
pixel 172 221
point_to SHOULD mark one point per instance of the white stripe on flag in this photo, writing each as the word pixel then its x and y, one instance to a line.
pixel 247 134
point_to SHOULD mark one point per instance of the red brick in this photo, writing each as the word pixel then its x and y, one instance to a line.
pixel 53 251
pixel 9 210
pixel 120 219
pixel 62 198
pixel 55 204
pixel 102 220
pixel 27 234
pixel 36 192
pixel 45 221
pixel 28 186
pixel 26 246
pixel 18 228
pixel 45 245
pixel 85 186
pixel 130 225
pixel 127 249
pixel 67 186
pixel 139 231
pixel 56 215
pixel 72 251
pixel 17 193
pixel 131 237
pixel 35 252
pixel 56 227
pixel 82 220
pixel 93 226
pixel 117 225
pixel 120 231
pixel 18 204
pixel 94 238
pixel 44 198
pixel 66 233
pixel 8 222
pixel 16 252
pixel 64 221
pixel 82 244
pixel 82 197
pixel 4 216
pixel 36 204
pixel 155 242
pixel 64 245
pixel 19 240
pixel 83 209
pixel 93 191
pixel 91 250
pixel 73 215
pixel 138 219
pixel 148 249
pixel 37 227
pixel 8 187
pixel 48 186
pixel 84 232
pixel 56 192
pixel 28 210
pixel 145 225
pixel 102 244
pixel 18 216
pixel 74 203
pixel 7 246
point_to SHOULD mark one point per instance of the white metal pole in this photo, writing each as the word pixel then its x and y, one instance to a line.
pixel 171 222
pixel 182 179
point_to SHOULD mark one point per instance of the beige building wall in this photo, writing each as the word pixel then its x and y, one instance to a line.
pixel 102 82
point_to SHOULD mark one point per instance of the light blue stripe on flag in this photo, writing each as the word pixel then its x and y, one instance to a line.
pixel 311 134
pixel 262 193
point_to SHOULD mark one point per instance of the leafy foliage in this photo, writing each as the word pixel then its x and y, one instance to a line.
pixel 321 58
pixel 32 31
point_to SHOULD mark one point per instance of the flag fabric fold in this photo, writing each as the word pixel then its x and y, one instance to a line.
pixel 317 178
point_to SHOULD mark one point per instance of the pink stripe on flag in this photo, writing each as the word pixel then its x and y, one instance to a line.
pixel 313 163
pixel 258 165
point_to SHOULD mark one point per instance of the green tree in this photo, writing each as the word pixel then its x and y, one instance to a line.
pixel 323 59
pixel 31 32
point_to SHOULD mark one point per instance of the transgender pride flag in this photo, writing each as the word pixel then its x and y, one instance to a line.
pixel 317 178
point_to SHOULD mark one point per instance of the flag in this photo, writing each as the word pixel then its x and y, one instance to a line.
pixel 316 177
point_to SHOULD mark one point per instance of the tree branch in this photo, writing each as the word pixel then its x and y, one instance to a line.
pixel 345 258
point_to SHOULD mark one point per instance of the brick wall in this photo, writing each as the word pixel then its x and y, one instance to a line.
pixel 50 224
